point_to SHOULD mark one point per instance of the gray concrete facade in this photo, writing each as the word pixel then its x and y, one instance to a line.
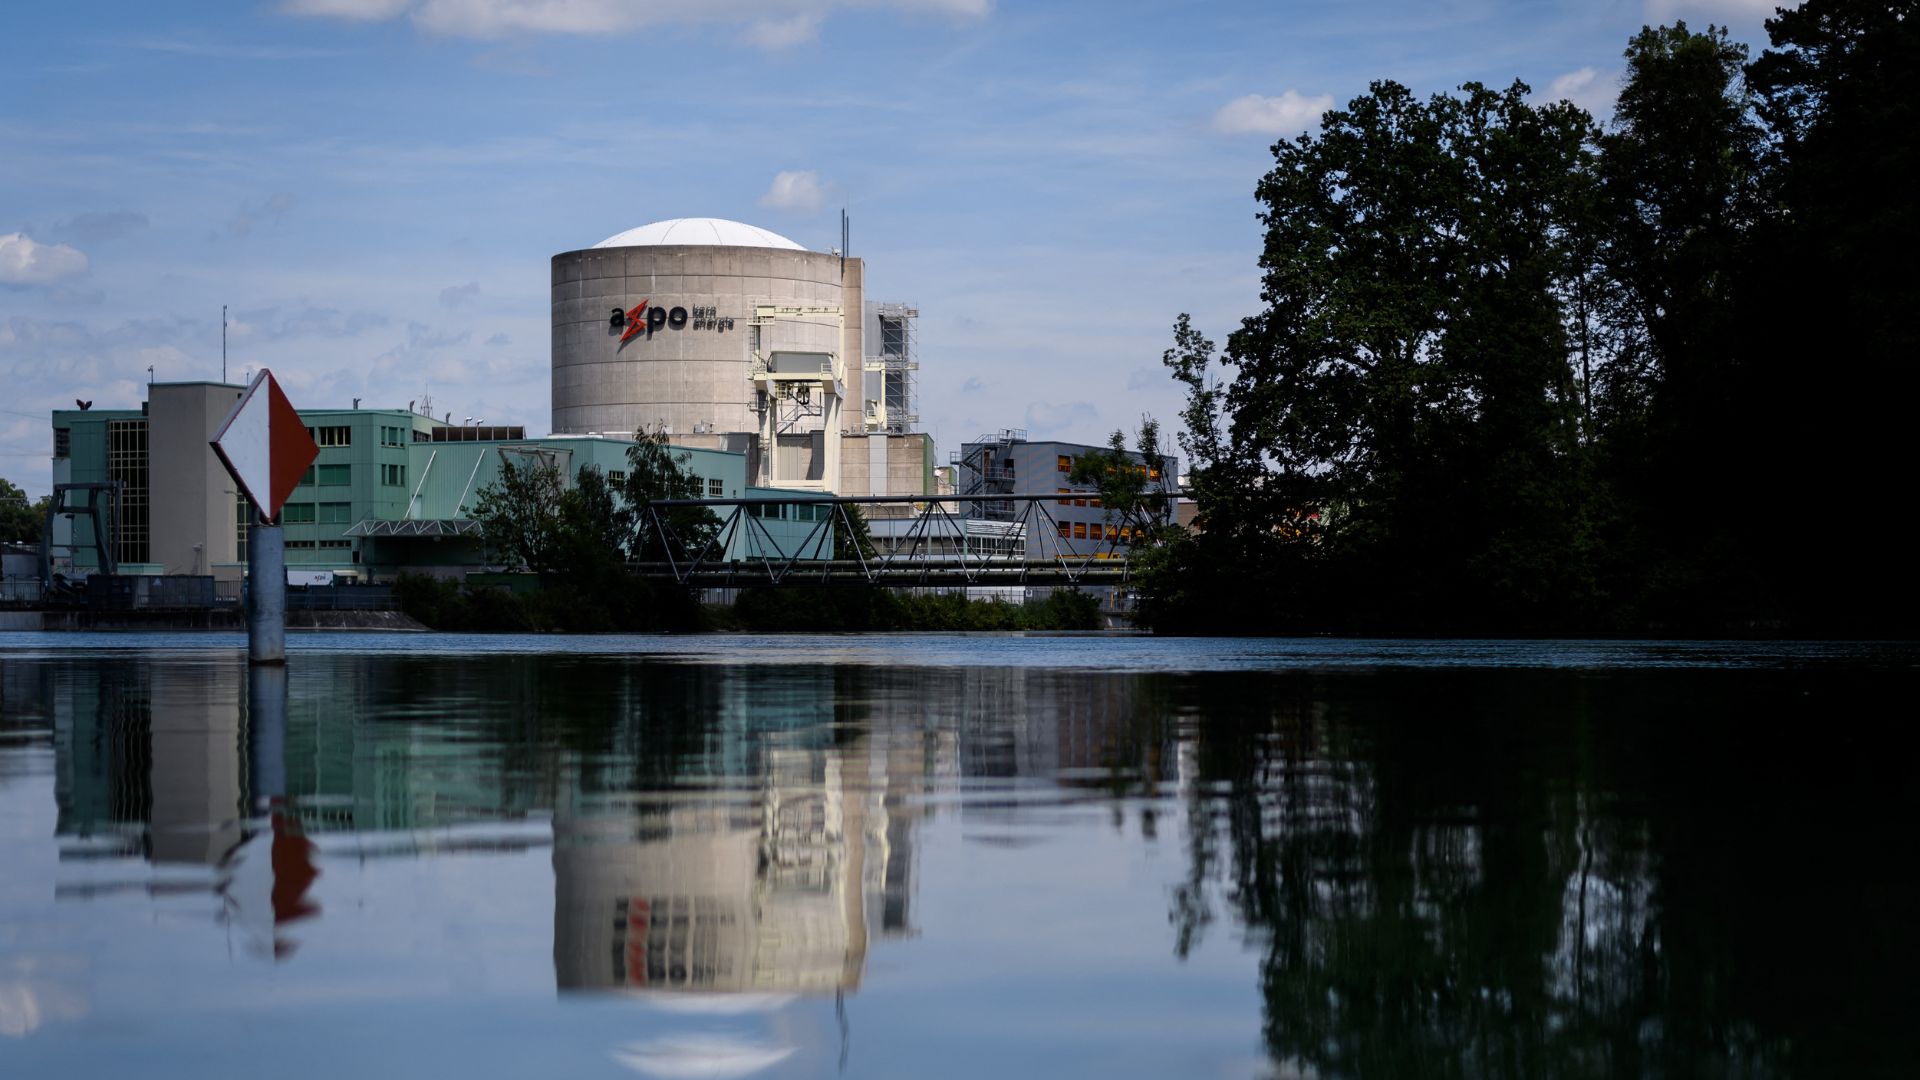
pixel 191 496
pixel 690 379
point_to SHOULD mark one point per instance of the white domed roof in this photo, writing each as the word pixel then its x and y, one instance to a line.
pixel 699 232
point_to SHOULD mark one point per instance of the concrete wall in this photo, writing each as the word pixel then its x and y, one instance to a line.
pixel 886 465
pixel 191 505
pixel 695 376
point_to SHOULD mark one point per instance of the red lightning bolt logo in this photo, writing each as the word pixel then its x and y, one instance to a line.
pixel 635 323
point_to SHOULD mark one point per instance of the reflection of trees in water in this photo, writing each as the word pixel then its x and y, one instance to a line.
pixel 1528 874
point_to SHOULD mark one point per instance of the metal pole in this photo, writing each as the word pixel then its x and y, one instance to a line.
pixel 266 595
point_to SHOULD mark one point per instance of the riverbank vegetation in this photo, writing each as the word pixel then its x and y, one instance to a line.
pixel 571 545
pixel 1521 373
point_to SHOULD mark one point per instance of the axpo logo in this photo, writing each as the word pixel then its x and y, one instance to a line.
pixel 641 319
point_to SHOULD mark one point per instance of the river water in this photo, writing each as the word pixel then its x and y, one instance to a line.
pixel 955 855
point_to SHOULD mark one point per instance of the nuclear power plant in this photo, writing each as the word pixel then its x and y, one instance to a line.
pixel 725 336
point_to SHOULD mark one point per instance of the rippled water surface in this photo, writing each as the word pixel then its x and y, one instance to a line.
pixel 955 855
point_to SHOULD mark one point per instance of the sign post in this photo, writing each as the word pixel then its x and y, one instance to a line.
pixel 266 447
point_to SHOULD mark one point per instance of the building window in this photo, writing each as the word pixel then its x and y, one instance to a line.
pixel 127 463
pixel 1079 502
pixel 1079 530
pixel 1066 463
pixel 393 475
pixel 1066 531
pixel 332 475
pixel 1064 491
pixel 393 436
pixel 335 513
pixel 62 442
pixel 1095 503
pixel 616 479
pixel 336 544
pixel 336 435
pixel 299 544
pixel 296 514
pixel 242 521
pixel 715 489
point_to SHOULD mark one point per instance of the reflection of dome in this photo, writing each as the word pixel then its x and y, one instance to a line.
pixel 713 1057
pixel 699 232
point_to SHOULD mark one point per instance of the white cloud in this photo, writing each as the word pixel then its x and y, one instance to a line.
pixel 1589 88
pixel 1289 114
pixel 770 23
pixel 1660 11
pixel 26 262
pixel 795 190
pixel 785 33
pixel 454 296
pixel 357 10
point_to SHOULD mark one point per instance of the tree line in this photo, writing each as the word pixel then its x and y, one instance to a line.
pixel 1519 372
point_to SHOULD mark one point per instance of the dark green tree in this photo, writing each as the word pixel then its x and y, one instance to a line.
pixel 520 516
pixel 1132 497
pixel 655 472
pixel 20 520
pixel 1409 389
pixel 1680 173
pixel 1830 330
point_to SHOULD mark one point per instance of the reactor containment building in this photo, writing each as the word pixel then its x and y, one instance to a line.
pixel 730 337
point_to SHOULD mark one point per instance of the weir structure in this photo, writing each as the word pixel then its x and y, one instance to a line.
pixel 829 554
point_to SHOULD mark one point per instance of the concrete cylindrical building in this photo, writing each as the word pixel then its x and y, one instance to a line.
pixel 654 328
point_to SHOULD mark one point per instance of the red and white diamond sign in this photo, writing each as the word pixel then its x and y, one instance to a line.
pixel 265 445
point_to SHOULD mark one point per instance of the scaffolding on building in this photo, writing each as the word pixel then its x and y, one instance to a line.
pixel 890 333
pixel 985 467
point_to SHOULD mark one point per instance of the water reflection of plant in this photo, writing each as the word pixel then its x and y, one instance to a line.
pixel 1512 875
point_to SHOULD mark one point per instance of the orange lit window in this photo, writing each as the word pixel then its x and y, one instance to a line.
pixel 1079 530
pixel 1064 491
pixel 1095 503
pixel 1066 463
pixel 1066 531
pixel 1153 474
pixel 1079 502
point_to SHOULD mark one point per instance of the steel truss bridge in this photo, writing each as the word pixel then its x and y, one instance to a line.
pixel 758 543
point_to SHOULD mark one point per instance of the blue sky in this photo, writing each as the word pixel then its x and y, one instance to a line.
pixel 374 187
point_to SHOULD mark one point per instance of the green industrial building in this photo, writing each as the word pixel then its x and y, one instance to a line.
pixel 392 491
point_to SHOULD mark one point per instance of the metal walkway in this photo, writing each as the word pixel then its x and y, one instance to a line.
pixel 811 547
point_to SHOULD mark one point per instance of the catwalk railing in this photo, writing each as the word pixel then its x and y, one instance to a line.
pixel 757 542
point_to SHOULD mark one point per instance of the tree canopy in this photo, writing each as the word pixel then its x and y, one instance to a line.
pixel 1518 372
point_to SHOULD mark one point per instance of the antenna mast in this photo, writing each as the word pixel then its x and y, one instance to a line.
pixel 223 343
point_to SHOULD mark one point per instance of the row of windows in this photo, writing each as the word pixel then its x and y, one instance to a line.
pixel 1080 530
pixel 326 513
pixel 1082 499
pixel 1150 472
pixel 328 475
pixel 393 475
pixel 393 436
pixel 332 435
pixel 789 511
pixel 308 545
